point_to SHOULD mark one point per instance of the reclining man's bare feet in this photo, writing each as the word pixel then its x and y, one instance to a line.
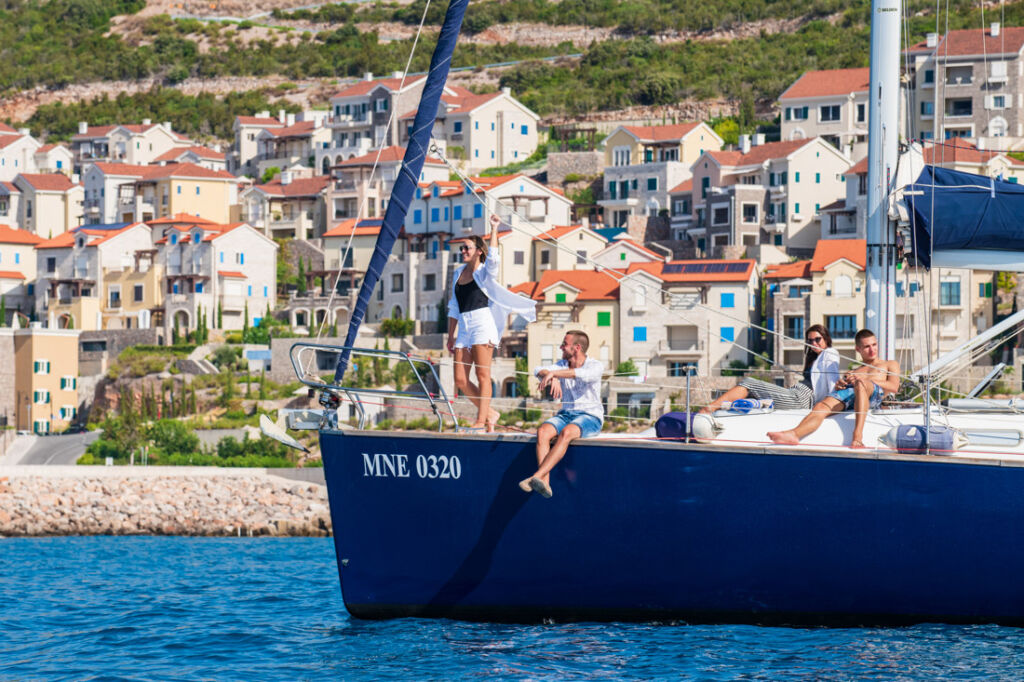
pixel 784 438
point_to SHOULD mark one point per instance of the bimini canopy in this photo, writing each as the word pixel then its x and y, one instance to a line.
pixel 966 221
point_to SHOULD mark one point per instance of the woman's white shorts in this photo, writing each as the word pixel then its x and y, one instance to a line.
pixel 476 328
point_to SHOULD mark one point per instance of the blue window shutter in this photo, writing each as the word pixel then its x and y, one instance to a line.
pixel 250 290
pixel 525 130
pixel 727 300
pixel 457 213
pixel 221 256
pixel 478 211
pixel 639 333
pixel 446 213
pixel 435 215
pixel 241 260
pixel 264 292
pixel 728 334
pixel 417 217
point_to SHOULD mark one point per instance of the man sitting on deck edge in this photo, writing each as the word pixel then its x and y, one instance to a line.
pixel 582 414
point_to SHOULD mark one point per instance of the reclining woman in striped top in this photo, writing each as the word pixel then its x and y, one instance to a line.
pixel 821 372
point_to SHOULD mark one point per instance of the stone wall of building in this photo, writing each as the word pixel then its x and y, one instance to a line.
pixel 643 229
pixel 93 362
pixel 583 164
pixel 7 394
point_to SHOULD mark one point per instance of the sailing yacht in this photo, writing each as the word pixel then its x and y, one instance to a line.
pixel 720 525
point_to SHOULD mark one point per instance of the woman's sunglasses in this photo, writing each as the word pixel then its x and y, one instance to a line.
pixel 465 248
pixel 815 339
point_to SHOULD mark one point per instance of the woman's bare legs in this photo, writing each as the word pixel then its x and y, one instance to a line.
pixel 482 356
pixel 463 362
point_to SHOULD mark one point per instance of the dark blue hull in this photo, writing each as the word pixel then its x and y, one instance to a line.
pixel 657 531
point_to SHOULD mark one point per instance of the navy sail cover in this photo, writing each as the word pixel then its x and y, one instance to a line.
pixel 971 218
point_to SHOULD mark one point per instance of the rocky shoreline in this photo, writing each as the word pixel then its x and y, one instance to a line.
pixel 140 501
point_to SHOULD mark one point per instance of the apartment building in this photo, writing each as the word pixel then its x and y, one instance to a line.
pixel 119 192
pixel 293 145
pixel 46 378
pixel 17 153
pixel 642 163
pixel 968 83
pixel 47 203
pixel 761 193
pixel 565 248
pixel 133 144
pixel 688 313
pixel 217 271
pixel 17 274
pixel 241 160
pixel 832 105
pixel 287 207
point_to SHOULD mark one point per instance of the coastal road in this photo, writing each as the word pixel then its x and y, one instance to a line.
pixel 59 449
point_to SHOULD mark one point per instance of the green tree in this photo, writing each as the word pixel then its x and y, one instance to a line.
pixel 627 369
pixel 522 376
pixel 301 281
pixel 269 174
pixel 3 311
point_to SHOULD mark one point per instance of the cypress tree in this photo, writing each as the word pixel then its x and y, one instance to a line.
pixel 220 316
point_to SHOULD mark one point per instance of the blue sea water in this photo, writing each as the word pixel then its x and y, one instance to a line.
pixel 270 609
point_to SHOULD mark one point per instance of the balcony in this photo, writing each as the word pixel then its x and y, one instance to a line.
pixel 114 304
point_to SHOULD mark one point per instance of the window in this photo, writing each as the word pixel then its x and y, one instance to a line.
pixel 51 264
pixel 949 291
pixel 796 208
pixel 457 127
pixel 794 327
pixel 41 397
pixel 221 256
pixel 518 257
pixel 796 113
pixel 581 257
pixel 829 113
pixel 841 326
pixel 639 334
pixel 397 282
pixel 727 300
pixel 705 183
pixel 197 190
pixel 750 214
pixel 559 298
pixel 929 76
pixel 240 258
pixel 720 216
pixel 547 352
pixel 417 217
pixel 68 383
pixel 429 282
pixel 927 108
pixel 545 257
pixel 604 319
pixel 173 239
pixel 179 189
pixel 457 212
pixel 985 289
pixel 435 215
pixel 478 211
pixel 264 292
pixel 640 297
pixel 137 293
pixel 525 130
pixel 41 367
pixel 727 334
pixel 861 113
pixel 247 293
pixel 652 184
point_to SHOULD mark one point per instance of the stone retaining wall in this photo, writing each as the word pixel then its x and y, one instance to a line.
pixel 46 501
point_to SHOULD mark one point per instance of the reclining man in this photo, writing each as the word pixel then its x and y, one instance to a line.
pixel 859 390
pixel 576 379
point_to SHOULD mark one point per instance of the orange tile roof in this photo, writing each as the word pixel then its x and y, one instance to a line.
pixel 345 228
pixel 102 131
pixel 264 121
pixel 10 235
pixel 591 284
pixel 48 182
pixel 826 83
pixel 197 149
pixel 828 251
pixel 6 129
pixel 675 271
pixel 800 269
pixel 955 150
pixel 49 147
pixel 8 140
pixel 976 42
pixel 175 170
pixel 387 155
pixel 301 187
pixel 666 133
pixel 364 86
pixel 300 129
pixel 9 186
pixel 465 103
pixel 760 153
pixel 637 245
pixel 685 186
pixel 231 273
pixel 67 239
pixel 527 288
pixel 11 274
pixel 859 168
pixel 557 232
pixel 181 218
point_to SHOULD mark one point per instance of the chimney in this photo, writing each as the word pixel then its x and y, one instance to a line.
pixel 24 131
pixel 585 221
pixel 83 127
pixel 264 114
pixel 368 76
pixel 931 40
pixel 744 144
pixel 397 74
pixel 979 144
pixel 995 29
pixel 167 126
pixel 507 92
pixel 281 115
pixel 286 177
pixel 75 178
pixel 216 147
pixel 758 139
pixel 290 119
pixel 146 121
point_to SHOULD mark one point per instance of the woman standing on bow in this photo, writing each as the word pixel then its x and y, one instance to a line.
pixel 477 312
pixel 821 372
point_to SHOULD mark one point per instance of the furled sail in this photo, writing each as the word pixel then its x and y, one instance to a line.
pixel 966 221
pixel 412 164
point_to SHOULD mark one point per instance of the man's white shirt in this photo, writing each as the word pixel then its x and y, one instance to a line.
pixel 583 392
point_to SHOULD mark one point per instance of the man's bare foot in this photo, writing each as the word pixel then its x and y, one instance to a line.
pixel 784 438
pixel 492 420
pixel 856 443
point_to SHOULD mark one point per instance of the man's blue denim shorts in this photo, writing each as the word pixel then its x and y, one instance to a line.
pixel 588 424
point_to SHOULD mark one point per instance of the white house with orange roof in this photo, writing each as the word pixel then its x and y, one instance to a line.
pixel 565 247
pixel 54 158
pixel 644 162
pixel 124 192
pixel 17 153
pixel 688 313
pixel 17 272
pixel 241 158
pixel 976 76
pixel 365 183
pixel 219 271
pixel 287 206
pixel 763 193
pixel 81 277
pixel 214 159
pixel 132 143
pixel 50 203
pixel 830 104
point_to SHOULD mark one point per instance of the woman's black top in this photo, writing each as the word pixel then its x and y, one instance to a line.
pixel 470 297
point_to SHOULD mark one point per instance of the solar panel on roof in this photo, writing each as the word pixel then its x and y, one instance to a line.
pixel 716 267
pixel 672 269
pixel 693 268
pixel 736 267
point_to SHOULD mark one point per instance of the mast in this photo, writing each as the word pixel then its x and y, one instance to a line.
pixel 883 139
